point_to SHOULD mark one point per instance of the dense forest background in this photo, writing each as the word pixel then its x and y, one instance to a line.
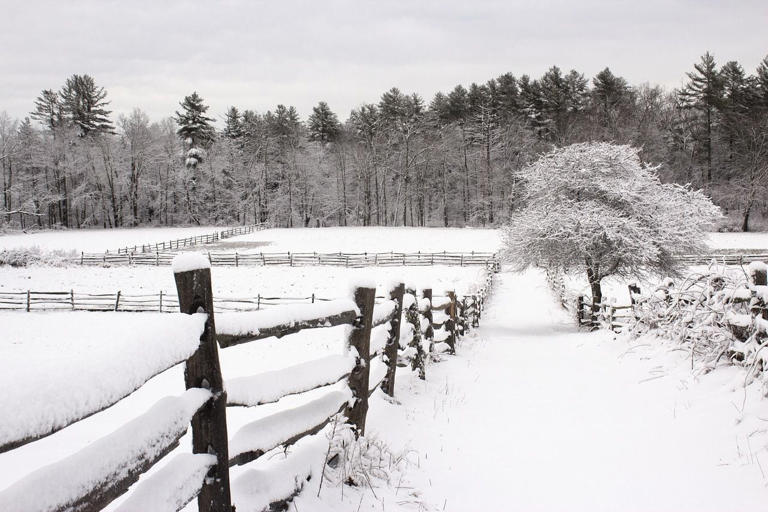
pixel 452 161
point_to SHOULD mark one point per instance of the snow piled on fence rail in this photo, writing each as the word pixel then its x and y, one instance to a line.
pixel 172 487
pixel 107 460
pixel 252 322
pixel 56 368
pixel 271 386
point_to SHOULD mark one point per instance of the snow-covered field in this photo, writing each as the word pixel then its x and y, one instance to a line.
pixel 529 406
pixel 324 282
pixel 366 239
pixel 99 240
pixel 753 241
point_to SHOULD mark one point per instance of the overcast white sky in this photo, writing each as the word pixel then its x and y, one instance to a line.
pixel 256 54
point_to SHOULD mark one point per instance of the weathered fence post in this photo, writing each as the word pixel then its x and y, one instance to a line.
pixel 28 299
pixel 634 290
pixel 579 308
pixel 451 323
pixel 117 300
pixel 393 342
pixel 413 317
pixel 759 276
pixel 209 424
pixel 360 340
pixel 430 332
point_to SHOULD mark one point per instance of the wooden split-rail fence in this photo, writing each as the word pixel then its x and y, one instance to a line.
pixel 604 314
pixel 190 241
pixel 296 259
pixel 432 327
pixel 163 302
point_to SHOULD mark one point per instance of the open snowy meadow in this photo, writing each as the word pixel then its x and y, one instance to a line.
pixel 529 400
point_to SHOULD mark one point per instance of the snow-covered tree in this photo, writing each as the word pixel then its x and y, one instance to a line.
pixel 596 208
pixel 195 128
pixel 84 105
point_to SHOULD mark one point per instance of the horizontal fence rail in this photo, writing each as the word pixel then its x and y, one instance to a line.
pixel 405 328
pixel 162 301
pixel 336 259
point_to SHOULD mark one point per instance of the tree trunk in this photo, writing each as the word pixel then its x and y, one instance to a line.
pixel 597 291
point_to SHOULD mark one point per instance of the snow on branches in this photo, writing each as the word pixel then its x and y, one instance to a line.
pixel 596 207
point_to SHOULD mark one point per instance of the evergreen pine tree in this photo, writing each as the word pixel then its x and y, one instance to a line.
pixel 233 125
pixel 194 128
pixel 83 105
pixel 506 95
pixel 323 124
pixel 703 93
pixel 48 109
pixel 761 79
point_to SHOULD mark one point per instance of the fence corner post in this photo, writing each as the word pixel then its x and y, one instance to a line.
pixel 360 340
pixel 393 342
pixel 209 424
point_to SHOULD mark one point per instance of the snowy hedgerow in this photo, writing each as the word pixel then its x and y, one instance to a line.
pixel 713 313
pixel 596 208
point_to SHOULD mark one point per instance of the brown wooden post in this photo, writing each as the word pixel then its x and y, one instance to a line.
pixel 393 342
pixel 413 317
pixel 360 340
pixel 759 278
pixel 451 323
pixel 579 308
pixel 28 299
pixel 464 317
pixel 430 333
pixel 209 424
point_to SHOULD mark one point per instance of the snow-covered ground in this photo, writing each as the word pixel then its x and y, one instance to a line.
pixel 324 282
pixel 754 241
pixel 99 240
pixel 346 239
pixel 365 239
pixel 533 414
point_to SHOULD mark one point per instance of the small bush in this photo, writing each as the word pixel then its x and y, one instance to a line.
pixel 28 256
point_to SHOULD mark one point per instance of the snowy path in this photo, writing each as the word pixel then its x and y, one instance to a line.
pixel 535 415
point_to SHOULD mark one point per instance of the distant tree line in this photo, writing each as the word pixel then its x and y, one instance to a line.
pixel 453 161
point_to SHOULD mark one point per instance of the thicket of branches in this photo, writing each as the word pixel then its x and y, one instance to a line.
pixel 715 313
pixel 454 160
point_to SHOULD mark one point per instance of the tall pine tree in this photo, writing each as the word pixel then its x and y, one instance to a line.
pixel 84 105
pixel 703 93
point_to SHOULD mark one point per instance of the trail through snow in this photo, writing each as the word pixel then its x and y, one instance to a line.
pixel 537 415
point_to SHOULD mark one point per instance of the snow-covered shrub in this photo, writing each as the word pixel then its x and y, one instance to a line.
pixel 24 257
pixel 365 462
pixel 715 314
